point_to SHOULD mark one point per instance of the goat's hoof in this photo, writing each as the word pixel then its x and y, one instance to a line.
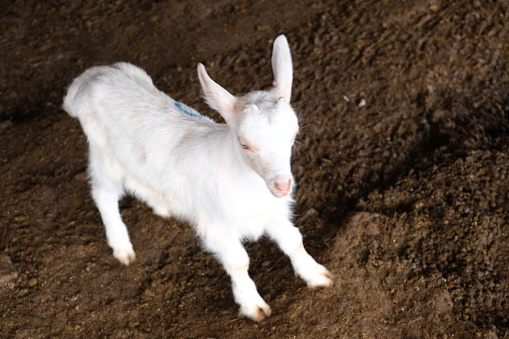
pixel 125 255
pixel 256 312
pixel 322 278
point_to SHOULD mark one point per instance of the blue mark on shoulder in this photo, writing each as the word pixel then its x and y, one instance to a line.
pixel 187 110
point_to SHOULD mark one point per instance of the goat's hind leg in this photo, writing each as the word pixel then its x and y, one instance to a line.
pixel 106 200
pixel 107 189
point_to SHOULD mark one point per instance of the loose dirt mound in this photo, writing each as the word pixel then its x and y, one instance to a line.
pixel 402 168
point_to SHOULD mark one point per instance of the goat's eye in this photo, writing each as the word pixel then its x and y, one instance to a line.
pixel 244 146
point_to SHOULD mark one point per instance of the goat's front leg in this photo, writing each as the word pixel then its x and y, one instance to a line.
pixel 289 239
pixel 235 260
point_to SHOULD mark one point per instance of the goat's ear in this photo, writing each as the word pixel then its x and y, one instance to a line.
pixel 282 68
pixel 216 96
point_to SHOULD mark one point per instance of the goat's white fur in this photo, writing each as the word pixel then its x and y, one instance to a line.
pixel 188 166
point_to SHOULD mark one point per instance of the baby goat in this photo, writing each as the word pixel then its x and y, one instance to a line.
pixel 230 181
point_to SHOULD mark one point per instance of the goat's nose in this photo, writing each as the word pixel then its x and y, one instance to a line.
pixel 283 187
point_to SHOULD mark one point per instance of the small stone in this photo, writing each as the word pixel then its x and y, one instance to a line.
pixel 7 270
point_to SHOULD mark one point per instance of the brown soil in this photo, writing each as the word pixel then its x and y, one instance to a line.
pixel 402 166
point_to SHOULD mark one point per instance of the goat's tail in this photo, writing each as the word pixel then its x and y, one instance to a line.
pixel 77 100
pixel 70 99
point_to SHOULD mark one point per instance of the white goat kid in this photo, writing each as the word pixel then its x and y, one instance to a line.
pixel 230 181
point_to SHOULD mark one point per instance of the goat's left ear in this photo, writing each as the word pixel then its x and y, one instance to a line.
pixel 216 96
pixel 282 68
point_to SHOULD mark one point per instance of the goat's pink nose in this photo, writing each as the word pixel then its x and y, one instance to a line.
pixel 283 187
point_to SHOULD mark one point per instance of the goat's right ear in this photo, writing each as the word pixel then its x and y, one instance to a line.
pixel 216 96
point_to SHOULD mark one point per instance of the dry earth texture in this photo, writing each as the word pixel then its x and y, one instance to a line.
pixel 402 169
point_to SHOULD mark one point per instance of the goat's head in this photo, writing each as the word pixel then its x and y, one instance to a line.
pixel 264 122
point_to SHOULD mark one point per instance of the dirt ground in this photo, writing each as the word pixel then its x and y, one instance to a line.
pixel 402 169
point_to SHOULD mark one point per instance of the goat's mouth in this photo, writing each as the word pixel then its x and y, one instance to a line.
pixel 280 194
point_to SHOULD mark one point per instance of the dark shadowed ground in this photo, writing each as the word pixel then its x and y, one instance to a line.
pixel 402 165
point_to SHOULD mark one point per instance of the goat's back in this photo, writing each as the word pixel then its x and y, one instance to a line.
pixel 120 84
